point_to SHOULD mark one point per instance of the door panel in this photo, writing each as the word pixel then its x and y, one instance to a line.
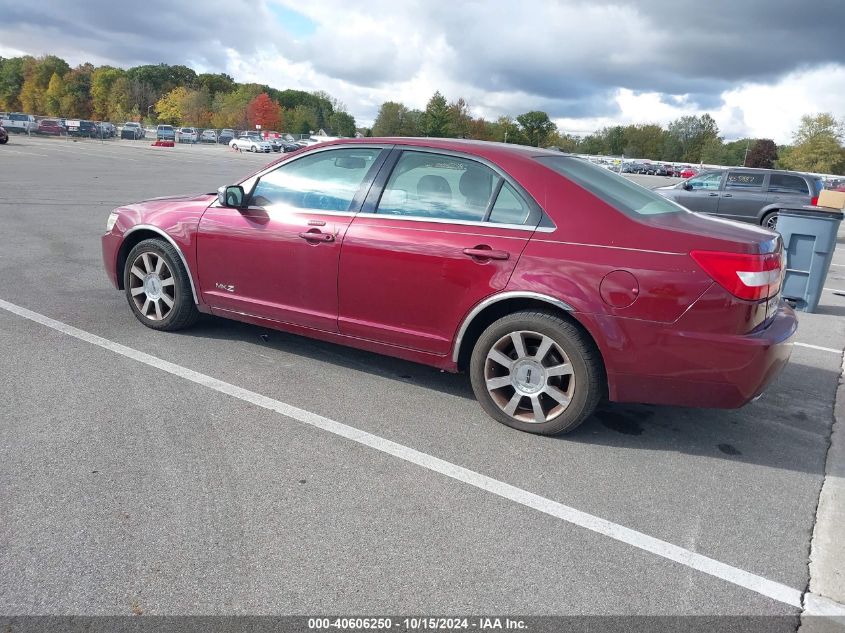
pixel 742 195
pixel 446 232
pixel 704 195
pixel 255 261
pixel 278 258
pixel 410 283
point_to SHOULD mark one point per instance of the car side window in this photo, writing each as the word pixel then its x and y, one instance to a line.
pixel 705 181
pixel 437 186
pixel 745 181
pixel 510 208
pixel 784 183
pixel 325 180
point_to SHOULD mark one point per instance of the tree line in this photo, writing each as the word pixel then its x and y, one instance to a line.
pixel 816 147
pixel 175 94
pixel 163 93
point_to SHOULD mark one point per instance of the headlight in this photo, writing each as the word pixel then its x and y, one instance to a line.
pixel 111 221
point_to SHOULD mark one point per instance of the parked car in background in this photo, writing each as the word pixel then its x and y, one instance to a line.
pixel 132 130
pixel 4 136
pixel 252 143
pixel 49 127
pixel 663 170
pixel 276 143
pixel 19 123
pixel 165 133
pixel 688 172
pixel 107 130
pixel 554 283
pixel 187 135
pixel 83 128
pixel 750 195
pixel 208 136
pixel 226 135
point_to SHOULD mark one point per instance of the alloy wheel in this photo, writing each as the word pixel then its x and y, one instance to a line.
pixel 152 286
pixel 529 377
pixel 772 221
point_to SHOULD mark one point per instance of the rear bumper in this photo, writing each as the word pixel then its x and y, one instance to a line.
pixel 695 369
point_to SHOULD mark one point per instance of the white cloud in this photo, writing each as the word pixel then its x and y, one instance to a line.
pixel 587 63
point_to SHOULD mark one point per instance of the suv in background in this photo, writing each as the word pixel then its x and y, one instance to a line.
pixel 208 136
pixel 87 129
pixel 132 130
pixel 750 195
pixel 188 135
pixel 165 133
pixel 226 135
pixel 107 130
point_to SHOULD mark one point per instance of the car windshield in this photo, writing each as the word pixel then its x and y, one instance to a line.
pixel 19 117
pixel 165 127
pixel 617 191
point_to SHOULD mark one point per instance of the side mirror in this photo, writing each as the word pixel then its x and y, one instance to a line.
pixel 231 196
pixel 688 186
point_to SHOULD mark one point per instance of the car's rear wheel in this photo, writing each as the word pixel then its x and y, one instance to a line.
pixel 536 372
pixel 254 148
pixel 770 221
pixel 158 287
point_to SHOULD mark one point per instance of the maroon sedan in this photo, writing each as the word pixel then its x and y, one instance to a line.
pixel 553 282
pixel 49 127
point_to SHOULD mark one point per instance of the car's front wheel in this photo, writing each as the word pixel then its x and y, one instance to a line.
pixel 536 372
pixel 158 287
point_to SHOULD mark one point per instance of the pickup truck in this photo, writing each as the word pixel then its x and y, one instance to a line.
pixel 19 122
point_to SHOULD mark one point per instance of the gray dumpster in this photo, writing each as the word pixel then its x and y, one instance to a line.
pixel 809 238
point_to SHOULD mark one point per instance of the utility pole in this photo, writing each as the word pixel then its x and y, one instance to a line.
pixel 745 160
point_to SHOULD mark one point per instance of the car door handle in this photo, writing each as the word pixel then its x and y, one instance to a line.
pixel 728 195
pixel 316 236
pixel 713 195
pixel 486 253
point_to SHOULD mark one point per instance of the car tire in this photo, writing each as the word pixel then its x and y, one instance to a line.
pixel 254 148
pixel 158 287
pixel 770 221
pixel 557 391
pixel 4 141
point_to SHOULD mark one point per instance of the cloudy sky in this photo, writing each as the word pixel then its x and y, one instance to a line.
pixel 755 65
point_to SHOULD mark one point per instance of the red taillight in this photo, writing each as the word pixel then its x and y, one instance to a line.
pixel 750 277
pixel 814 200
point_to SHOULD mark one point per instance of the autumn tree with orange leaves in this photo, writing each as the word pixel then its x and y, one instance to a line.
pixel 263 111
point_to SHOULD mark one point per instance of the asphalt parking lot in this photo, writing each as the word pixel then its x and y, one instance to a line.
pixel 130 487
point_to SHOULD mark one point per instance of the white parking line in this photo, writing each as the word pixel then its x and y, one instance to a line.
pixel 834 289
pixel 764 586
pixel 818 347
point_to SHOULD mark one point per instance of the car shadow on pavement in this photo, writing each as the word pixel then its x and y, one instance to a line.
pixel 376 364
pixel 838 310
pixel 788 428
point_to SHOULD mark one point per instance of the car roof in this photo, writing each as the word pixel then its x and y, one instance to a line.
pixel 485 149
pixel 759 169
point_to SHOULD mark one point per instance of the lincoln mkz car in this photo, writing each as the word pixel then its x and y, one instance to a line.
pixel 554 283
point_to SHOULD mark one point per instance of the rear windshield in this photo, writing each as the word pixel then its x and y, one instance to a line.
pixel 617 191
pixel 19 117
pixel 165 127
